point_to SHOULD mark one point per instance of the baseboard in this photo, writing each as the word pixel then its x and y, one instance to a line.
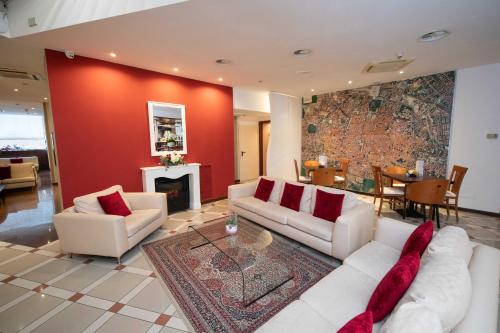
pixel 213 200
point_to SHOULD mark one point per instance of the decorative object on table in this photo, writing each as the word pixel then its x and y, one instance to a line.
pixel 167 128
pixel 323 160
pixel 311 164
pixel 419 166
pixel 172 159
pixel 232 223
pixel 412 173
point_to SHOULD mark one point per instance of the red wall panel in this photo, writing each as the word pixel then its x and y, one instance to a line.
pixel 102 132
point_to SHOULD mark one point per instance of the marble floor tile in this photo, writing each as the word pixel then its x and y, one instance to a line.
pixel 152 298
pixel 117 286
pixel 81 278
pixel 120 323
pixel 27 261
pixel 8 253
pixel 51 270
pixel 9 293
pixel 75 318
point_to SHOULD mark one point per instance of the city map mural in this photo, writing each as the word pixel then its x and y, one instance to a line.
pixel 393 123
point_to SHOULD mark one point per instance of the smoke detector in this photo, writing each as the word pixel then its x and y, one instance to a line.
pixel 387 66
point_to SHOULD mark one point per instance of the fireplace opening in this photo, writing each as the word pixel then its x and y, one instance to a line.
pixel 176 191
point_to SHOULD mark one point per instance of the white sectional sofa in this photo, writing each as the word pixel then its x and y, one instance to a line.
pixel 344 293
pixel 352 230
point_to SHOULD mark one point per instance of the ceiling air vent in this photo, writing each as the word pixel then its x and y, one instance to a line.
pixel 387 66
pixel 15 74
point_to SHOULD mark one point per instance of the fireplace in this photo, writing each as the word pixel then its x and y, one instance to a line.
pixel 176 190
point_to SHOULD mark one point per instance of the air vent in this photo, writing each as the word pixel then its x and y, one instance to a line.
pixel 15 74
pixel 387 66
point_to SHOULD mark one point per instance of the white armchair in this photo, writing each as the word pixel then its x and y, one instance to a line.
pixel 110 235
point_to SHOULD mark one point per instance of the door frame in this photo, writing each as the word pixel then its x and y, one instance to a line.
pixel 261 140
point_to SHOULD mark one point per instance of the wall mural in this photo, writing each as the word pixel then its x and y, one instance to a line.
pixel 394 123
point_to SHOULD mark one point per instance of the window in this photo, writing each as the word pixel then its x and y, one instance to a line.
pixel 21 132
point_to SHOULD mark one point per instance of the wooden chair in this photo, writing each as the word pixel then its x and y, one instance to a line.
pixel 456 178
pixel 399 171
pixel 382 192
pixel 323 176
pixel 299 178
pixel 428 192
pixel 342 179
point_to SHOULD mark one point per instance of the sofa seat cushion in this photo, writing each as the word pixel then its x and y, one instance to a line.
pixel 374 259
pixel 341 295
pixel 275 212
pixel 248 203
pixel 139 219
pixel 297 317
pixel 18 180
pixel 312 225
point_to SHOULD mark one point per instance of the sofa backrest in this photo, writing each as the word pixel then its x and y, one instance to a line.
pixel 21 170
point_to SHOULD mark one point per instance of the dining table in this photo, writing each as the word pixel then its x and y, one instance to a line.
pixel 407 179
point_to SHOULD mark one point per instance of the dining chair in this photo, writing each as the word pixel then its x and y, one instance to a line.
pixel 457 176
pixel 342 179
pixel 396 170
pixel 382 192
pixel 428 192
pixel 299 178
pixel 323 176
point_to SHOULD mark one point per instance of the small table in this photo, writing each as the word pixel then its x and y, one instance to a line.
pixel 252 251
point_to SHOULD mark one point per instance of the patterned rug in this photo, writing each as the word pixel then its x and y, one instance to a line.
pixel 207 285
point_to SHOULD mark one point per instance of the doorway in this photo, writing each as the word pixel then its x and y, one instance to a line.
pixel 264 134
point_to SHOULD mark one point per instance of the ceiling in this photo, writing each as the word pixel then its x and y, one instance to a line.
pixel 15 107
pixel 259 37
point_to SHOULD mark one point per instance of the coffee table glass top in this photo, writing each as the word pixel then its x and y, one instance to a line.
pixel 251 250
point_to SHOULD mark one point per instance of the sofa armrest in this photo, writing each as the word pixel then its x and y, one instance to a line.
pixel 353 230
pixel 392 232
pixel 148 200
pixel 241 190
pixel 94 234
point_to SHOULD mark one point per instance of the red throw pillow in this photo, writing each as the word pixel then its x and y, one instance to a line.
pixel 419 239
pixel 16 160
pixel 328 205
pixel 362 323
pixel 113 204
pixel 264 189
pixel 393 286
pixel 5 172
pixel 291 196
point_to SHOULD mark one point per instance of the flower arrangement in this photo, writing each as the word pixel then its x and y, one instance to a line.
pixel 171 159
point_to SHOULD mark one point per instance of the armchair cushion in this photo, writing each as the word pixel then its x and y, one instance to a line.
pixel 113 204
pixel 139 219
pixel 89 203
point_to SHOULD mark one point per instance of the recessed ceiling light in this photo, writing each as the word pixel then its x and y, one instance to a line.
pixel 260 81
pixel 32 108
pixel 45 98
pixel 302 52
pixel 223 61
pixel 401 72
pixel 312 90
pixel 176 69
pixel 221 79
pixel 112 54
pixel 349 82
pixel 16 90
pixel 433 36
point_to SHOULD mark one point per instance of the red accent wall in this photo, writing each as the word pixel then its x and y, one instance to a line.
pixel 102 132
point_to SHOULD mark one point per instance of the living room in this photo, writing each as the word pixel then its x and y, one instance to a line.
pixel 235 166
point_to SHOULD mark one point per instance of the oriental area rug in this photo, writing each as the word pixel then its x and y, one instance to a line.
pixel 207 284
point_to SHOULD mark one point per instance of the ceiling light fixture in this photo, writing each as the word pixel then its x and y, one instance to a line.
pixel 45 98
pixel 221 79
pixel 223 61
pixel 312 90
pixel 401 72
pixel 302 52
pixel 349 82
pixel 112 54
pixel 32 108
pixel 16 90
pixel 176 69
pixel 434 35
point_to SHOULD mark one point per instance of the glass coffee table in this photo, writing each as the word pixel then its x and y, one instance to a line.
pixel 252 251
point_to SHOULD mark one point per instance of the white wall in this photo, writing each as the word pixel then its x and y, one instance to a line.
pixel 285 141
pixel 251 100
pixel 476 112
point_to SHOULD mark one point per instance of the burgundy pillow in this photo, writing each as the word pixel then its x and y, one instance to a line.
pixel 16 160
pixel 362 323
pixel 113 204
pixel 393 286
pixel 5 172
pixel 328 205
pixel 264 189
pixel 291 196
pixel 419 239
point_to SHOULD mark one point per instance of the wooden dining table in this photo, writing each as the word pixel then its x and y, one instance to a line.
pixel 403 178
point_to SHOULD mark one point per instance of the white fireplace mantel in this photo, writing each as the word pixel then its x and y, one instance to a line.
pixel 149 174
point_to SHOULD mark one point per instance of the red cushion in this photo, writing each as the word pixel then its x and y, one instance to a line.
pixel 264 189
pixel 113 204
pixel 16 160
pixel 392 287
pixel 291 196
pixel 419 239
pixel 328 205
pixel 362 323
pixel 5 172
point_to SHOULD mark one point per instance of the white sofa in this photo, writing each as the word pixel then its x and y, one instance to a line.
pixel 344 293
pixel 85 229
pixel 353 228
pixel 22 175
pixel 26 159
